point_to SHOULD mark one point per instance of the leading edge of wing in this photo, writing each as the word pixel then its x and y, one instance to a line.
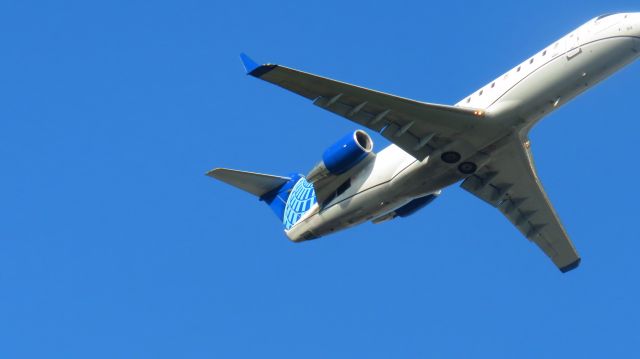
pixel 253 68
pixel 258 71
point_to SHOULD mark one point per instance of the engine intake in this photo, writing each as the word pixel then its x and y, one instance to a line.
pixel 342 155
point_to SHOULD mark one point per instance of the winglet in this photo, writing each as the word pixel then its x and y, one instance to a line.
pixel 252 68
pixel 570 266
pixel 248 63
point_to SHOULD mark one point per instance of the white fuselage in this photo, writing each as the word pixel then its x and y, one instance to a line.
pixel 515 101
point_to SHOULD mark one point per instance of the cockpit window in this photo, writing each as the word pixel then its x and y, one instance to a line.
pixel 606 15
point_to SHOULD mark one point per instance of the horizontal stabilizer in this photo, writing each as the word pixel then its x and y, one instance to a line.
pixel 257 184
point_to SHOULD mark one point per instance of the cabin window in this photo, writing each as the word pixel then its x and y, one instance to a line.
pixel 531 61
pixel 468 99
pixel 481 91
pixel 544 52
pixel 519 68
pixel 493 85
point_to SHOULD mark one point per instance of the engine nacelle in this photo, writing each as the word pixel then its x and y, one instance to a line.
pixel 342 155
pixel 415 205
pixel 408 209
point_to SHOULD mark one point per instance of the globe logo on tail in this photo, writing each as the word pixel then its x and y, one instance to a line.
pixel 302 197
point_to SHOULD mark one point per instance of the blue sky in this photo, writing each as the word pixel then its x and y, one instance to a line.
pixel 113 243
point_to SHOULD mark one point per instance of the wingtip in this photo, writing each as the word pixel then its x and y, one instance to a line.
pixel 248 63
pixel 213 172
pixel 571 266
pixel 253 68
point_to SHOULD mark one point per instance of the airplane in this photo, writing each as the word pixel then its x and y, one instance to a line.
pixel 482 142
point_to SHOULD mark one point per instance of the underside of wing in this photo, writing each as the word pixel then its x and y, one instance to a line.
pixel 419 128
pixel 510 183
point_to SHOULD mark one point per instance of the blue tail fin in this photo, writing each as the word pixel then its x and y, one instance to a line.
pixel 291 200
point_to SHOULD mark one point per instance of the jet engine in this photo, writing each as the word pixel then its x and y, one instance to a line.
pixel 342 155
pixel 408 209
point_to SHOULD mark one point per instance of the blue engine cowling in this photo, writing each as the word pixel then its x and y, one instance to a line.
pixel 342 155
pixel 347 152
pixel 415 205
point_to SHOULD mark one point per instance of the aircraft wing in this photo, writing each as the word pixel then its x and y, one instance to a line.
pixel 419 128
pixel 509 182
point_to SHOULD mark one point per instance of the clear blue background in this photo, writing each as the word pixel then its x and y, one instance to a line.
pixel 113 243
